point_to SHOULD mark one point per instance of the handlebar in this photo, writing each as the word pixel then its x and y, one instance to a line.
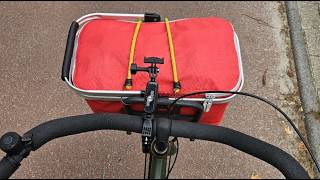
pixel 53 129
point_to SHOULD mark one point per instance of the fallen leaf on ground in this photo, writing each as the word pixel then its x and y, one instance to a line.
pixel 288 131
pixel 302 147
pixel 255 176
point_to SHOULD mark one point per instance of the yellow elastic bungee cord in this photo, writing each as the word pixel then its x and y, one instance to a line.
pixel 176 83
pixel 128 82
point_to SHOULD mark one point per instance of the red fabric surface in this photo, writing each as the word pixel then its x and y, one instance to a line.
pixel 205 54
pixel 213 117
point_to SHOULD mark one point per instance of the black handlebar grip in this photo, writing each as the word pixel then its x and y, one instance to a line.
pixel 7 168
pixel 69 50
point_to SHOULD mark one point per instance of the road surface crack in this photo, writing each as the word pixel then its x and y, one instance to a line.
pixel 259 21
pixel 315 55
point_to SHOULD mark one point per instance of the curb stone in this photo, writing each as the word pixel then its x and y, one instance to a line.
pixel 307 90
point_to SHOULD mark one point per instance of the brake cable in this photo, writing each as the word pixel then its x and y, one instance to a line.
pixel 172 109
pixel 175 158
pixel 145 165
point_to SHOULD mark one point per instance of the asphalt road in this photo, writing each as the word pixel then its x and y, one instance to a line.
pixel 32 43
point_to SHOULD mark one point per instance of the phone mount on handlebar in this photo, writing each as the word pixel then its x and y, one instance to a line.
pixel 153 70
pixel 158 106
pixel 150 98
pixel 151 92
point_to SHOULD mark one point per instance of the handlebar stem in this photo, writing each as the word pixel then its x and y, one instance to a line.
pixel 162 135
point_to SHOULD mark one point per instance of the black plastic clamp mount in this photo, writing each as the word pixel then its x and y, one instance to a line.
pixel 153 60
pixel 150 99
pixel 152 17
pixel 147 132
pixel 147 126
pixel 134 68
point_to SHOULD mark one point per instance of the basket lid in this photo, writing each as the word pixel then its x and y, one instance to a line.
pixel 205 54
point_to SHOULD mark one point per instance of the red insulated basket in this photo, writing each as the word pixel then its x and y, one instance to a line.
pixel 207 56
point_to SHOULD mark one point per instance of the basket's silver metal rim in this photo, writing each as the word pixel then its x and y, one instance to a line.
pixel 117 98
pixel 117 95
pixel 116 16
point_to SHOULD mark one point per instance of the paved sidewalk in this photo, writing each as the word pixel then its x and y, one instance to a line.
pixel 303 18
pixel 310 21
pixel 32 44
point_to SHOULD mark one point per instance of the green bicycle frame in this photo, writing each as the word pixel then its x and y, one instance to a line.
pixel 158 164
pixel 157 167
